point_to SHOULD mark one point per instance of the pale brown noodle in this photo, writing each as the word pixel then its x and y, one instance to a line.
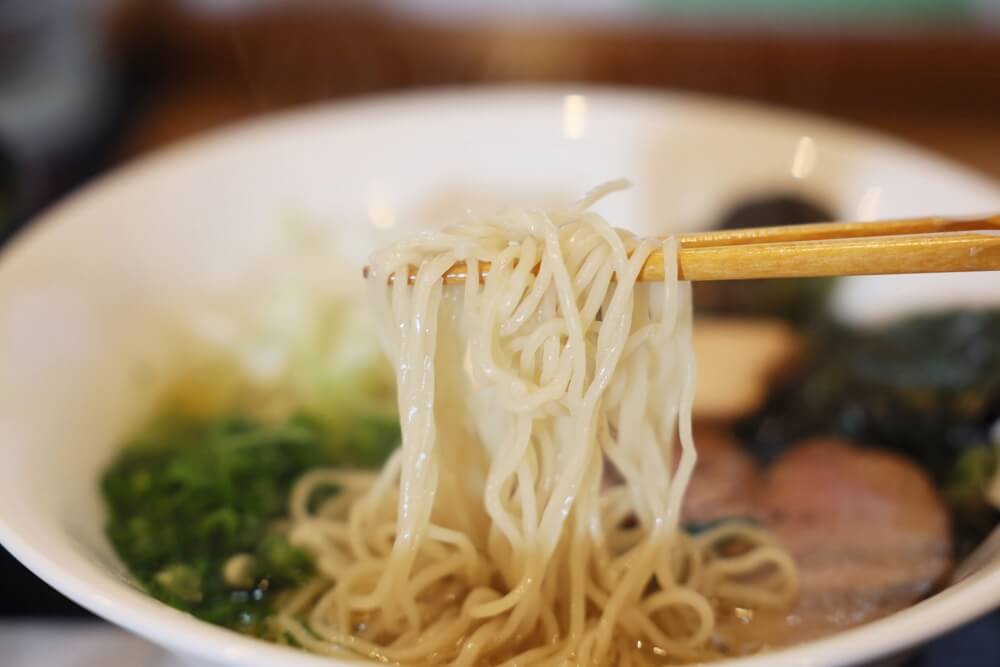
pixel 489 537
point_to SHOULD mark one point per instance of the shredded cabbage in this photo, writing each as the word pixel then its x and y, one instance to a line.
pixel 294 336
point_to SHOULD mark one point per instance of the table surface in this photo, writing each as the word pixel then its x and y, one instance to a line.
pixel 89 643
pixel 76 644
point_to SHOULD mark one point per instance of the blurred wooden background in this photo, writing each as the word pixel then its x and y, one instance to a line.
pixel 938 86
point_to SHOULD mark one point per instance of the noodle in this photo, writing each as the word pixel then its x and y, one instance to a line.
pixel 490 536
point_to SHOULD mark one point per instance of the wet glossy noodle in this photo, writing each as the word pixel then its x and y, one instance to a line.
pixel 491 536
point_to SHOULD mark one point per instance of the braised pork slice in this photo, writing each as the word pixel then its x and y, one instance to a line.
pixel 725 479
pixel 867 528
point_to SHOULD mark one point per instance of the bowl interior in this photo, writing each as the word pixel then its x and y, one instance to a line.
pixel 89 295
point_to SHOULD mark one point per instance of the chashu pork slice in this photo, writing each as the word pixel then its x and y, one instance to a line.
pixel 868 530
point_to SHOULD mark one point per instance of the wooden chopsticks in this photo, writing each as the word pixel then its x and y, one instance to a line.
pixel 920 245
pixel 927 245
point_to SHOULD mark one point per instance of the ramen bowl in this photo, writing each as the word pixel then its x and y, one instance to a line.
pixel 89 293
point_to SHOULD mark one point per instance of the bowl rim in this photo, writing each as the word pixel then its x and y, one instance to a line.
pixel 98 590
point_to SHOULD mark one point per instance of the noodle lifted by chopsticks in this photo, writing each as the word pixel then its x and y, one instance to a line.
pixel 491 537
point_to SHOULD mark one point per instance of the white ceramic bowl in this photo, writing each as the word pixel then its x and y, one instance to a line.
pixel 85 293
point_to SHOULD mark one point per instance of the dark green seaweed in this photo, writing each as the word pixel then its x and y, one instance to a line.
pixel 926 386
pixel 796 301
